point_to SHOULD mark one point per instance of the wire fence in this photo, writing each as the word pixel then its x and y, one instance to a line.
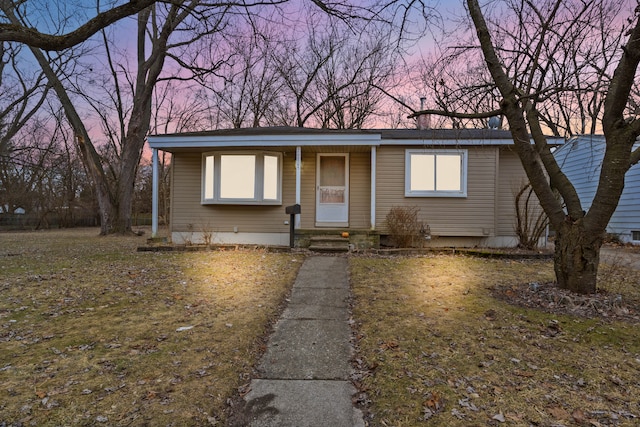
pixel 54 220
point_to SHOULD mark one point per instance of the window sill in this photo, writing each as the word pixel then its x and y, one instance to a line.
pixel 436 195
pixel 242 202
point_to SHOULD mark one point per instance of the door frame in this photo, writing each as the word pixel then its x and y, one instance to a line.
pixel 340 210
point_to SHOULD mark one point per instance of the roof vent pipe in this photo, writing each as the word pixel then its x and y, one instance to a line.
pixel 494 122
pixel 423 121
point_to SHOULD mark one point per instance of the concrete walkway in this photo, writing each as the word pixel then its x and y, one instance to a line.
pixel 304 374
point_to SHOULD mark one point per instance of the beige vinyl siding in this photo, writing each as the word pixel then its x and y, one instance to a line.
pixel 360 190
pixel 188 214
pixel 308 190
pixel 473 215
pixel 511 179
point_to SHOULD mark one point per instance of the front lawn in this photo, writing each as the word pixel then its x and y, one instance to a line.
pixel 439 345
pixel 94 333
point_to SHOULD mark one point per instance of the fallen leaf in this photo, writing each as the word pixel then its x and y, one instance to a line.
pixel 434 402
pixel 523 374
pixel 559 413
pixel 579 416
pixel 389 345
pixel 490 314
pixel 515 417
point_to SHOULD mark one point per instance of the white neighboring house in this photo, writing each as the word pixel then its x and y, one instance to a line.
pixel 581 159
pixel 17 211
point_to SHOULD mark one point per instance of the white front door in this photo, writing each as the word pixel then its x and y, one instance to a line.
pixel 332 190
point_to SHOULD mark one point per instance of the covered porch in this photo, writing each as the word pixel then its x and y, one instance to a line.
pixel 332 178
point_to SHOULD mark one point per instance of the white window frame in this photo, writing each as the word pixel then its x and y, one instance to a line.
pixel 464 155
pixel 214 187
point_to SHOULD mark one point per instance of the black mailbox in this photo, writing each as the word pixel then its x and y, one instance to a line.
pixel 293 209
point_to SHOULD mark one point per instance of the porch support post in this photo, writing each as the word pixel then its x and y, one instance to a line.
pixel 154 194
pixel 298 181
pixel 373 186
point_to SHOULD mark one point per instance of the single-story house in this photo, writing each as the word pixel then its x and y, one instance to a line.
pixel 232 186
pixel 581 160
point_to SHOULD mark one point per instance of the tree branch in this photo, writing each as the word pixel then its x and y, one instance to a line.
pixel 457 115
pixel 622 81
pixel 34 38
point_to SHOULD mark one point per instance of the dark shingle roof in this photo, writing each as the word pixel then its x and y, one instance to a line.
pixel 384 133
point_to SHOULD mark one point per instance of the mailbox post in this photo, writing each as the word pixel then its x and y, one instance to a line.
pixel 292 210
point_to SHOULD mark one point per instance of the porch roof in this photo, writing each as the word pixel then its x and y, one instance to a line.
pixel 284 136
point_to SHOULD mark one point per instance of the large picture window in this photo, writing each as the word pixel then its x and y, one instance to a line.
pixel 436 173
pixel 242 178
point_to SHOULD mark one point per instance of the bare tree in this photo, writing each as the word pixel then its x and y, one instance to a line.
pixel 331 80
pixel 179 108
pixel 455 83
pixel 576 66
pixel 348 86
pixel 575 62
pixel 175 109
pixel 41 173
pixel 11 31
pixel 159 41
pixel 24 91
pixel 240 77
pixel 115 184
pixel 106 16
pixel 300 67
pixel 520 72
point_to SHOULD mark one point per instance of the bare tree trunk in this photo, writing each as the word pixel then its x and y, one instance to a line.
pixel 576 258
pixel 579 233
pixel 89 155
pixel 91 159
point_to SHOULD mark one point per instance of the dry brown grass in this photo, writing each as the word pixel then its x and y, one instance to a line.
pixel 435 348
pixel 89 328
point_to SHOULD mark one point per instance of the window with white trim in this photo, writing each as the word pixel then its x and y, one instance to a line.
pixel 242 178
pixel 435 173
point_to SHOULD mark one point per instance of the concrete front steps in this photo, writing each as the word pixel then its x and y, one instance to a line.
pixel 330 240
pixel 329 244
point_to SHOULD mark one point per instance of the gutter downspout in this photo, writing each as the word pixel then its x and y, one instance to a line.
pixel 373 186
pixel 154 194
pixel 298 180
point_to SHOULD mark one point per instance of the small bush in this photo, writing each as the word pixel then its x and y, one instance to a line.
pixel 531 221
pixel 405 229
pixel 613 238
